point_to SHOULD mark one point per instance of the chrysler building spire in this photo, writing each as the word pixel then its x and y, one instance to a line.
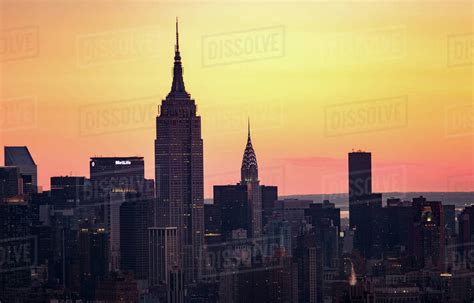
pixel 249 170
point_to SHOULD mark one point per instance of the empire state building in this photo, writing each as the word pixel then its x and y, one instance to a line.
pixel 179 172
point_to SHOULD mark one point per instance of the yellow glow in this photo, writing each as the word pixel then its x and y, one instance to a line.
pixel 309 60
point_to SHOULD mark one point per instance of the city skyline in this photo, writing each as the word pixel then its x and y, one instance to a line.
pixel 285 108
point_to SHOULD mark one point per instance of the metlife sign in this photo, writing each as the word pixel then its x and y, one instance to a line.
pixel 126 162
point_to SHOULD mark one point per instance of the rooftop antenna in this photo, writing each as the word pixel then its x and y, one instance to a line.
pixel 177 35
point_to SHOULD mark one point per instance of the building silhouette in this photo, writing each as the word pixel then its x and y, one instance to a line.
pixel 269 195
pixel 365 207
pixel 249 178
pixel 179 171
pixel 67 192
pixel 427 234
pixel 115 180
pixel 134 240
pixel 232 202
pixel 163 269
pixel 240 204
pixel 20 157
pixel 466 235
pixel 115 174
pixel 10 182
pixel 93 255
pixel 15 233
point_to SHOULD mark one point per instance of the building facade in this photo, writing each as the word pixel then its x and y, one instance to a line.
pixel 179 174
pixel 20 157
pixel 365 207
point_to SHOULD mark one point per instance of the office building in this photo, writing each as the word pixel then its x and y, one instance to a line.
pixel 15 236
pixel 134 245
pixel 249 178
pixel 450 219
pixel 179 174
pixel 212 223
pixel 232 201
pixel 465 246
pixel 308 261
pixel 269 195
pixel 115 174
pixel 11 183
pixel 115 180
pixel 326 210
pixel 427 234
pixel 93 257
pixel 292 211
pixel 20 157
pixel 365 207
pixel 67 192
pixel 117 287
pixel 164 267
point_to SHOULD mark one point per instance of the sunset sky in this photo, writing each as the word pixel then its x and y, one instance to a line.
pixel 316 78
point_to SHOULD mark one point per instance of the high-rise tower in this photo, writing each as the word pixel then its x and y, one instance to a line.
pixel 179 172
pixel 249 177
pixel 20 156
pixel 365 207
pixel 360 186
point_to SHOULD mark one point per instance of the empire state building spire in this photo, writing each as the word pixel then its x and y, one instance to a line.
pixel 179 185
pixel 177 88
pixel 249 169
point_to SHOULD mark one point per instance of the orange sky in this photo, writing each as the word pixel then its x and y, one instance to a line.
pixel 316 78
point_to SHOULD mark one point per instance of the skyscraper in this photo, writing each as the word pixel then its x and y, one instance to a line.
pixel 232 202
pixel 269 195
pixel 115 174
pixel 249 178
pixel 360 177
pixel 20 157
pixel 427 234
pixel 308 261
pixel 10 182
pixel 364 206
pixel 163 260
pixel 67 192
pixel 93 254
pixel 179 171
pixel 15 236
pixel 114 180
pixel 241 204
pixel 134 235
pixel 466 236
